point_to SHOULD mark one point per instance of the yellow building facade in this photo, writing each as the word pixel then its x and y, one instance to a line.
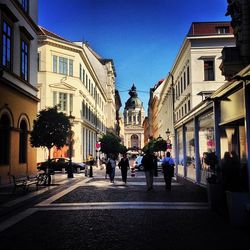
pixel 18 78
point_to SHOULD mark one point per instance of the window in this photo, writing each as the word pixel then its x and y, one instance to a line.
pixel 80 72
pixel 4 140
pixel 189 105
pixel 209 70
pixel 181 85
pixel 184 80
pixel 222 30
pixel 23 139
pixel 38 61
pixel 55 64
pixel 63 65
pixel 63 101
pixel 83 75
pixel 25 5
pixel 24 60
pixel 6 45
pixel 188 75
pixel 70 67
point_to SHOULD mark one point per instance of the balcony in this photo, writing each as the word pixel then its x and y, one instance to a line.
pixel 231 62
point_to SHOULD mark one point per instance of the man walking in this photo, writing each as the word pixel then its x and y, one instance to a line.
pixel 148 165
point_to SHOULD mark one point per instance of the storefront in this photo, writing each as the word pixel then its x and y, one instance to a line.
pixel 231 104
pixel 195 137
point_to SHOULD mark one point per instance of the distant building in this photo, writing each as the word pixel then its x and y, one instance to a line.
pixel 18 80
pixel 133 120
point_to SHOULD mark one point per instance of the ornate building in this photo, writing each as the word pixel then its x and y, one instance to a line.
pixel 133 121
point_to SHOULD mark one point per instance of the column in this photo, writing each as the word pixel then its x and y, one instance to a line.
pixel 197 151
pixel 184 150
pixel 217 128
pixel 247 127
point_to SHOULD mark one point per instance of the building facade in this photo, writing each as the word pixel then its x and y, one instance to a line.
pixel 194 76
pixel 18 80
pixel 232 100
pixel 74 77
pixel 133 120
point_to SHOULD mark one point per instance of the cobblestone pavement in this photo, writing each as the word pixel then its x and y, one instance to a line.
pixel 92 213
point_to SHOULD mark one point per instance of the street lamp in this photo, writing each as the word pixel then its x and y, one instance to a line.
pixel 70 170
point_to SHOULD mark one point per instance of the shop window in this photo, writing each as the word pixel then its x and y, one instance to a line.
pixel 4 140
pixel 23 141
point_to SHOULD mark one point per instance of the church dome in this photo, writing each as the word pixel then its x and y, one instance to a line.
pixel 133 102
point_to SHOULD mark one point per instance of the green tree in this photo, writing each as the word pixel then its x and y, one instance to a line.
pixel 51 128
pixel 111 144
pixel 155 145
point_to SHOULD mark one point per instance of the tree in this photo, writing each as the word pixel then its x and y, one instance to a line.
pixel 111 144
pixel 51 128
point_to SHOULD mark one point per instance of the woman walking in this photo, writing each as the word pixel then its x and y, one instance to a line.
pixel 124 166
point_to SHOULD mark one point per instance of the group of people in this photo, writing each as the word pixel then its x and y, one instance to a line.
pixel 149 162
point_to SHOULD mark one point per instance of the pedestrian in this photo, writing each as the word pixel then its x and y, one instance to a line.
pixel 230 173
pixel 148 165
pixel 155 165
pixel 91 163
pixel 168 170
pixel 124 166
pixel 112 162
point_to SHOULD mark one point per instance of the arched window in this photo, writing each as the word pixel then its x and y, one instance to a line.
pixel 23 140
pixel 4 140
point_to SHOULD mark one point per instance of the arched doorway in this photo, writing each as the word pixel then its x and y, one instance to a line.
pixel 134 141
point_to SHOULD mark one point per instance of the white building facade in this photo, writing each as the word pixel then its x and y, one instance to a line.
pixel 195 74
pixel 72 76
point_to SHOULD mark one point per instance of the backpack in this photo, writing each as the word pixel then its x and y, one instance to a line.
pixel 168 168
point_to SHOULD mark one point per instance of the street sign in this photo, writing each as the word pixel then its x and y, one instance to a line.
pixel 98 146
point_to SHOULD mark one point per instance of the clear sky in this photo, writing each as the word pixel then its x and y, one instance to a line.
pixel 143 37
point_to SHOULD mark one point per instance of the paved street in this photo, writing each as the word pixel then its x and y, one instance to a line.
pixel 92 213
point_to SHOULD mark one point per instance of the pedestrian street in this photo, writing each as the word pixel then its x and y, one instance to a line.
pixel 93 213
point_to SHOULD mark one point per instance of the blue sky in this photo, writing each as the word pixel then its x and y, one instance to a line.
pixel 143 37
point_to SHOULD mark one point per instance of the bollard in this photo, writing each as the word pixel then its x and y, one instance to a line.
pixel 86 170
pixel 78 170
pixel 63 170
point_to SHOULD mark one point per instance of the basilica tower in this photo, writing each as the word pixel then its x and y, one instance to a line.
pixel 133 119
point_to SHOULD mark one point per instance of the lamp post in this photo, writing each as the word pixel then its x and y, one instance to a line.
pixel 169 146
pixel 70 170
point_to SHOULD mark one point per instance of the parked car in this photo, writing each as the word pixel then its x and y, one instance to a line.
pixel 138 164
pixel 57 164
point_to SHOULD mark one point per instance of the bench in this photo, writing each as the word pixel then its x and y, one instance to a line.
pixel 24 181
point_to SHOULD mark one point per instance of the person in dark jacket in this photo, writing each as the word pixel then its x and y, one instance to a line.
pixel 124 166
pixel 148 165
pixel 168 170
